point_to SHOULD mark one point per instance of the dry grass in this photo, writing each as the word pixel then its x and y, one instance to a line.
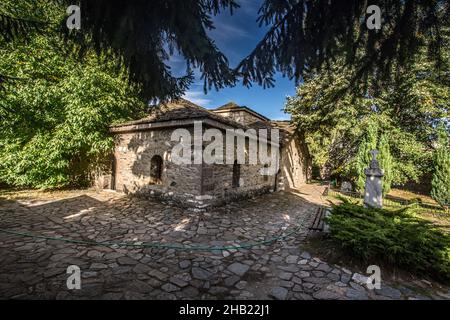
pixel 409 195
pixel 42 195
pixel 442 220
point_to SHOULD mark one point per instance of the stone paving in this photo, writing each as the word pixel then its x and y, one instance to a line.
pixel 36 268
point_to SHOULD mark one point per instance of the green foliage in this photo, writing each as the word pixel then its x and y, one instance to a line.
pixel 397 237
pixel 20 18
pixel 54 125
pixel 302 35
pixel 440 183
pixel 364 157
pixel 307 36
pixel 141 35
pixel 335 121
pixel 371 141
pixel 386 162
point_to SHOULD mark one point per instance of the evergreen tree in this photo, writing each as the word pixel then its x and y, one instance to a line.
pixel 363 158
pixel 307 35
pixel 440 184
pixel 302 35
pixel 54 126
pixel 406 111
pixel 143 34
pixel 386 162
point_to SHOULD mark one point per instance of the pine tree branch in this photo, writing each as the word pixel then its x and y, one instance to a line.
pixel 12 27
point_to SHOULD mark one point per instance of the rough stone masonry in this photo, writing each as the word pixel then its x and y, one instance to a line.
pixel 142 160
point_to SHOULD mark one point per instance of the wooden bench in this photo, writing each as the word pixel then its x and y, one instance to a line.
pixel 318 223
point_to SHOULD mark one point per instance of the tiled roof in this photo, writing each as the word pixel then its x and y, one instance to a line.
pixel 183 109
pixel 231 106
pixel 284 125
pixel 179 110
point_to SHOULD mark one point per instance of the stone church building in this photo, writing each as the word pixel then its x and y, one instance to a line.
pixel 142 160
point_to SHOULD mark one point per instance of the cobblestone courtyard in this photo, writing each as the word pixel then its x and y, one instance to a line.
pixel 36 267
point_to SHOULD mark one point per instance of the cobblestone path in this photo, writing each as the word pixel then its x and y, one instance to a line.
pixel 36 268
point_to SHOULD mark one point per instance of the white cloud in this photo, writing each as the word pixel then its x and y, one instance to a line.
pixel 197 97
pixel 225 31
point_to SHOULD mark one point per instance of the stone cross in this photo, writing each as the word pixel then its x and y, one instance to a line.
pixel 346 186
pixel 374 154
pixel 373 196
pixel 374 163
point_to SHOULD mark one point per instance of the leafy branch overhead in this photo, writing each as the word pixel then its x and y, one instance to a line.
pixel 303 36
pixel 307 36
pixel 338 131
pixel 17 21
pixel 142 34
pixel 146 33
pixel 12 27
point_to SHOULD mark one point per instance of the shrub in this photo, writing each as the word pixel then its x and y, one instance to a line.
pixel 440 184
pixel 386 162
pixel 56 133
pixel 364 157
pixel 397 237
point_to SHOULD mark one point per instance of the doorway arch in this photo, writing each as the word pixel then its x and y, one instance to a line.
pixel 156 167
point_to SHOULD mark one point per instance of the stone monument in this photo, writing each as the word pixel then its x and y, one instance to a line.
pixel 346 186
pixel 373 195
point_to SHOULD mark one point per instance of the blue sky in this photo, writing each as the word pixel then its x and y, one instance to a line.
pixel 236 36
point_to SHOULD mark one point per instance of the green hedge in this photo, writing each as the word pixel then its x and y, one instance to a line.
pixel 397 237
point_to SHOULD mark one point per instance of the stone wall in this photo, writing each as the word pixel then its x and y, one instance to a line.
pixel 133 153
pixel 193 185
pixel 241 116
pixel 217 179
pixel 219 182
pixel 295 164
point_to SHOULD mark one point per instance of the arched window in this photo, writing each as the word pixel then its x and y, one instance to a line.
pixel 156 165
pixel 236 174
